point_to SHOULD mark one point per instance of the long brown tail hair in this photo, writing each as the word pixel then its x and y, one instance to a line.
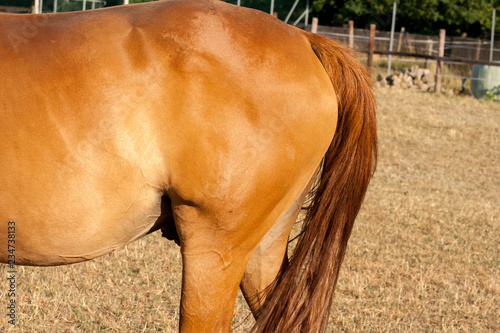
pixel 300 298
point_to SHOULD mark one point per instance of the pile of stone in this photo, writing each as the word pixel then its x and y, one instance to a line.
pixel 414 78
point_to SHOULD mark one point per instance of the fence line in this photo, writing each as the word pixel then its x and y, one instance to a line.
pixel 430 53
pixel 432 57
pixel 449 44
pixel 455 47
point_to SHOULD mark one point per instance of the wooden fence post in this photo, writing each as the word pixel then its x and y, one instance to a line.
pixel 314 27
pixel 442 39
pixel 400 42
pixel 351 34
pixel 429 51
pixel 478 50
pixel 35 9
pixel 371 47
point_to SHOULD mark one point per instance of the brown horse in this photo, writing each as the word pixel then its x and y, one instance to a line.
pixel 203 119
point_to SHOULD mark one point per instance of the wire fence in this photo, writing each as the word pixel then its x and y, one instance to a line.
pixel 460 56
pixel 455 47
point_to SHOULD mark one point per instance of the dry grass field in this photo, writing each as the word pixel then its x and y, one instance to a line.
pixel 423 257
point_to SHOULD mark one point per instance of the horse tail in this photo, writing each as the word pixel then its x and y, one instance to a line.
pixel 301 297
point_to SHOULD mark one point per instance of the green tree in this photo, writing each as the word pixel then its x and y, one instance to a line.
pixel 16 3
pixel 420 16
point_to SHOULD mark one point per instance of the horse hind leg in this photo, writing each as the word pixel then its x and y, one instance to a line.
pixel 270 255
pixel 216 246
pixel 214 256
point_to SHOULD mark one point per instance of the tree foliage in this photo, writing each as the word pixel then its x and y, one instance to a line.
pixel 419 16
pixel 16 3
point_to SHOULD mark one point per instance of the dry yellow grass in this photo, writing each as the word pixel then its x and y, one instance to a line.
pixel 424 254
pixel 423 257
